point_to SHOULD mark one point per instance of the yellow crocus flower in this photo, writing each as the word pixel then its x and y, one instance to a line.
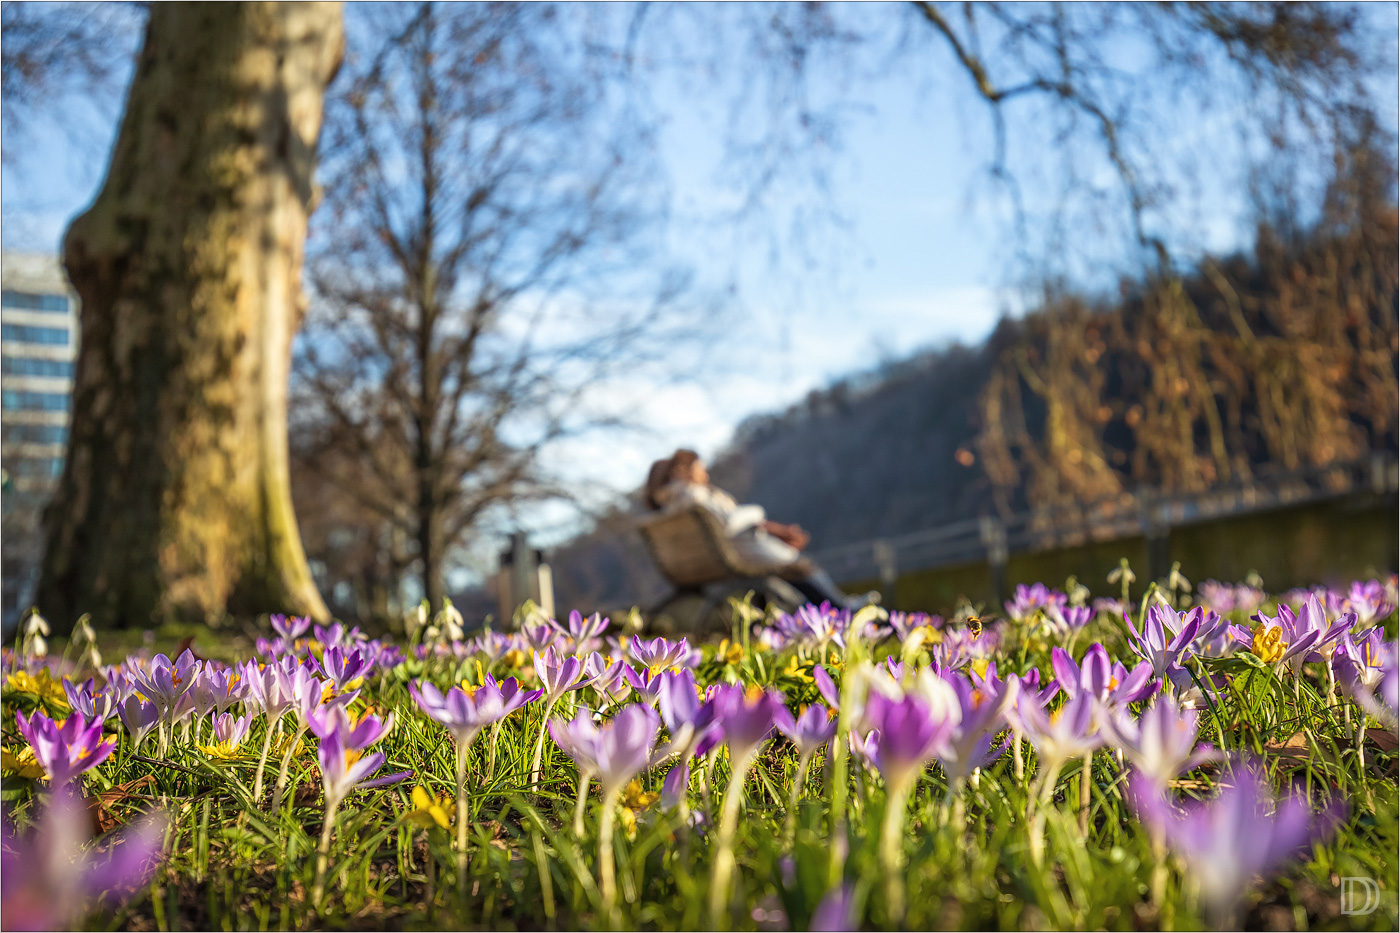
pixel 1268 643
pixel 21 763
pixel 428 811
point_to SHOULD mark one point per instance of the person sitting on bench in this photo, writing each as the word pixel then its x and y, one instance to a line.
pixel 681 481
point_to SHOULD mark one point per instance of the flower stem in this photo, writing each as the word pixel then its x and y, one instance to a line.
pixel 462 826
pixel 491 758
pixel 539 743
pixel 607 876
pixel 891 854
pixel 1086 779
pixel 1040 801
pixel 262 764
pixel 318 890
pixel 584 779
pixel 724 858
pixel 790 824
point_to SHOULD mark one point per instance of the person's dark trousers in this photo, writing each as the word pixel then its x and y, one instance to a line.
pixel 819 588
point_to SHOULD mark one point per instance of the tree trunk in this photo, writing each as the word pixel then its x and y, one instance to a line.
pixel 175 500
pixel 430 551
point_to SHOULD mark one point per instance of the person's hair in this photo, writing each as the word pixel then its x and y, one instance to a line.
pixel 663 471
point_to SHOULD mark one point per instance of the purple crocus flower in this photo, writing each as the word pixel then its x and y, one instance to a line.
pixel 215 689
pixel 906 735
pixel 230 730
pixel 814 728
pixel 1360 659
pixel 825 624
pixel 607 680
pixel 290 628
pixel 583 635
pixel 615 752
pixel 1308 627
pixel 747 717
pixel 1027 599
pixel 1380 697
pixel 1228 841
pixel 1069 732
pixel 465 714
pixel 960 647
pixel 336 635
pixel 558 677
pixel 68 750
pixel 537 636
pixel 1065 620
pixel 1225 598
pixel 826 686
pixel 266 691
pixel 495 645
pixel 1369 601
pixel 647 686
pixel 343 767
pixel 981 714
pixel 905 624
pixel 166 683
pixel 309 693
pixel 119 683
pixel 48 878
pixel 1028 682
pixel 386 657
pixel 139 717
pixel 1108 681
pixel 692 724
pixel 509 693
pixel 345 667
pixel 836 911
pixel 895 668
pixel 1152 644
pixel 677 782
pixel 1109 605
pixel 92 703
pixel 1162 743
pixel 678 701
pixel 660 654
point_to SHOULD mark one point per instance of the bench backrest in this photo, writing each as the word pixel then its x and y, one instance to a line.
pixel 691 549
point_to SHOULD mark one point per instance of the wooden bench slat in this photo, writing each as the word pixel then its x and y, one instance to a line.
pixel 692 550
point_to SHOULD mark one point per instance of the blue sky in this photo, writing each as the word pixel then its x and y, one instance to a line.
pixel 924 258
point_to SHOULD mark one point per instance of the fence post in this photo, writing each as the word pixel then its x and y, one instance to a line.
pixel 1156 521
pixel 994 539
pixel 888 569
pixel 524 575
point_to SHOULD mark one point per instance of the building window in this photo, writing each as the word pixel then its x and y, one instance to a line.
pixel 29 366
pixel 21 400
pixel 36 434
pixel 29 301
pixel 27 333
pixel 50 467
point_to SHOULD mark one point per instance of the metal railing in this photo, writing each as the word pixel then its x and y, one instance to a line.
pixel 1129 515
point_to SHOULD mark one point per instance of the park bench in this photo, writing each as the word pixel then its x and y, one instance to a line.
pixel 697 558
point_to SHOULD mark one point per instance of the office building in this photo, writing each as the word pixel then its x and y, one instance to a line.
pixel 39 317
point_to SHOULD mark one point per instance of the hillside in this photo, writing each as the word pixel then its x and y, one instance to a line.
pixel 1276 359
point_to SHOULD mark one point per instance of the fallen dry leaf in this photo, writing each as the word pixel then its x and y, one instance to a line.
pixel 100 807
pixel 1384 738
pixel 1295 746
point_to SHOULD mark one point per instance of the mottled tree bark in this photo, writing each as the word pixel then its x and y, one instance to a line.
pixel 175 500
